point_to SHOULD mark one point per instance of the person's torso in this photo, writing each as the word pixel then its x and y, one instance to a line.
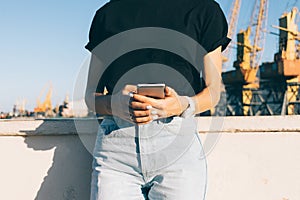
pixel 150 65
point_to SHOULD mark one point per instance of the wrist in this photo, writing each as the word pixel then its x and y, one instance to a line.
pixel 190 109
pixel 184 103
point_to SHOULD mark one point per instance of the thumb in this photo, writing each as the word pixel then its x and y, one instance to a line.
pixel 168 91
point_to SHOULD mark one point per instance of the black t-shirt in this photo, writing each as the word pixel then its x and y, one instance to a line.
pixel 201 20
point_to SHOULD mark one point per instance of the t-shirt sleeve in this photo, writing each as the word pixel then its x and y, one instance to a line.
pixel 96 33
pixel 213 27
pixel 96 36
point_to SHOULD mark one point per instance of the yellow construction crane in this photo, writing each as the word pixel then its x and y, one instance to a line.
pixel 46 106
pixel 249 70
pixel 286 62
pixel 288 35
pixel 249 53
pixel 233 20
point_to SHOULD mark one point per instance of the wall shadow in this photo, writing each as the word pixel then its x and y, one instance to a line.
pixel 69 176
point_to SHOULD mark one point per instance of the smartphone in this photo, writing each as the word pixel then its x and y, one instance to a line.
pixel 156 90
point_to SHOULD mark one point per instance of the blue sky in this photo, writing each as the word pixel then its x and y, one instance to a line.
pixel 42 42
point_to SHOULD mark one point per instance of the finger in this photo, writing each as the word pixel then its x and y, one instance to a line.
pixel 146 119
pixel 157 103
pixel 139 113
pixel 169 91
pixel 135 105
pixel 130 88
pixel 130 94
pixel 143 123
pixel 144 99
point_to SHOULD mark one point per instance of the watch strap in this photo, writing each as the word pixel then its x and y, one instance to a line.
pixel 190 110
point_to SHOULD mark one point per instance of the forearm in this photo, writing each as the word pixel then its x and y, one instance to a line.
pixel 210 96
pixel 206 100
pixel 101 104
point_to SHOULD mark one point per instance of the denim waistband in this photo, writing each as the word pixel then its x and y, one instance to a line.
pixel 117 120
pixel 110 123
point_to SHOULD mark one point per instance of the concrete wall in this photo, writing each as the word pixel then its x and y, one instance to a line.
pixel 248 158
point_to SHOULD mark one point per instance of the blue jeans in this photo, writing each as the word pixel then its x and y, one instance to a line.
pixel 157 161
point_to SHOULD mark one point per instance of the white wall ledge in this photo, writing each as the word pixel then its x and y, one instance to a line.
pixel 261 124
pixel 50 161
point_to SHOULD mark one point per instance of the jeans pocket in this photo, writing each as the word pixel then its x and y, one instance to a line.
pixel 107 126
pixel 109 129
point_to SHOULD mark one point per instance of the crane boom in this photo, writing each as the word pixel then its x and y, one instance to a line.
pixel 259 37
pixel 234 14
pixel 233 20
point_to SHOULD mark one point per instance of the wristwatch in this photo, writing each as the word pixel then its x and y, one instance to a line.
pixel 190 110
